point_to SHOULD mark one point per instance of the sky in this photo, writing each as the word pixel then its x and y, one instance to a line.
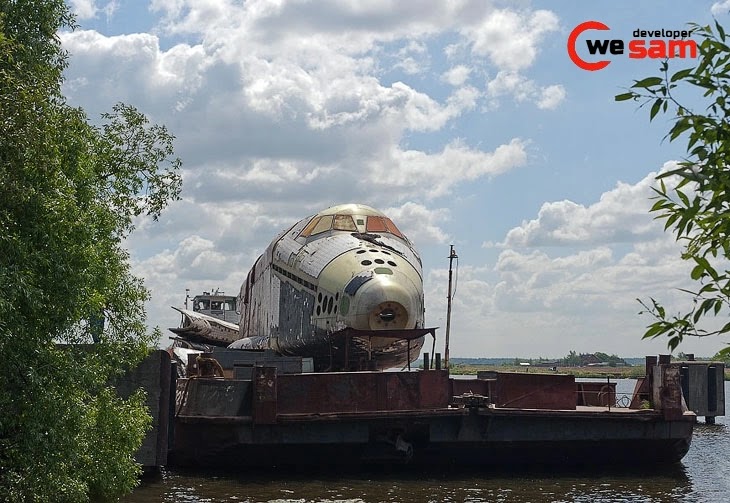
pixel 465 121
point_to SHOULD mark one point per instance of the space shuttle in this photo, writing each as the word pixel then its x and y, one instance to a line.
pixel 344 287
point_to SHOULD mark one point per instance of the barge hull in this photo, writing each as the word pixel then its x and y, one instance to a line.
pixel 450 440
pixel 416 418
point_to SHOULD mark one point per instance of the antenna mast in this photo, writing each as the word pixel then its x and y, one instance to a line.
pixel 452 256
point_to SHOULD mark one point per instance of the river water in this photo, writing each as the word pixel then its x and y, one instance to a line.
pixel 702 476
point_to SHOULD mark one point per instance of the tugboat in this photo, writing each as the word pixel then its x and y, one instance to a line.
pixel 213 319
pixel 216 304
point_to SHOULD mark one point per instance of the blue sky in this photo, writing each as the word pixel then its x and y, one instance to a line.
pixel 464 120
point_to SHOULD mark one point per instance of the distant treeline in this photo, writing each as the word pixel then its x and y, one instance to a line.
pixel 572 359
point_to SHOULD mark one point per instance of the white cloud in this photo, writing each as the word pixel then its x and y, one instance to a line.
pixel 523 89
pixel 413 58
pixel 720 8
pixel 132 68
pixel 551 97
pixel 620 216
pixel 420 223
pixel 511 39
pixel 87 9
pixel 457 75
pixel 569 280
pixel 84 9
pixel 511 83
pixel 415 172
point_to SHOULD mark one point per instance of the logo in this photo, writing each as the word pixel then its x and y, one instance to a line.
pixel 653 44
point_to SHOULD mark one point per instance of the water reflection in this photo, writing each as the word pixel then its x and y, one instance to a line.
pixel 606 486
pixel 703 475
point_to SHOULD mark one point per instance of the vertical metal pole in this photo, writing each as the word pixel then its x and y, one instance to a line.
pixel 187 296
pixel 452 256
pixel 409 354
pixel 433 344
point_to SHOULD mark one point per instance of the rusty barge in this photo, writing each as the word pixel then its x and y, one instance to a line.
pixel 270 414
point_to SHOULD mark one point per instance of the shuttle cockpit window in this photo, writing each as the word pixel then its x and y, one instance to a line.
pixel 308 229
pixel 382 224
pixel 344 223
pixel 324 224
pixel 318 225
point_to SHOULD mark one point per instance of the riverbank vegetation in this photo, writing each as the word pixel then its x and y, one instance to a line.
pixel 71 313
pixel 585 365
pixel 628 372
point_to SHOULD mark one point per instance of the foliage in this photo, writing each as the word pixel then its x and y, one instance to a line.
pixel 722 356
pixel 69 193
pixel 697 208
pixel 573 359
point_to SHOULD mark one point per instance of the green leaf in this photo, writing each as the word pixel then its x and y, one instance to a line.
pixel 655 108
pixel 679 127
pixel 648 82
pixel 697 272
pixel 659 205
pixel 672 218
pixel 707 267
pixel 682 74
pixel 624 96
pixel 683 197
pixel 659 309
pixel 654 330
pixel 724 354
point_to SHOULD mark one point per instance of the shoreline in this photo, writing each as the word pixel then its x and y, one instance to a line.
pixel 628 372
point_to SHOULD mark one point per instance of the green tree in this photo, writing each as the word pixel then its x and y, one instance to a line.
pixel 572 359
pixel 69 194
pixel 697 208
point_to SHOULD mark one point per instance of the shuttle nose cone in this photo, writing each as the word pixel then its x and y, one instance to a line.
pixel 389 314
pixel 386 302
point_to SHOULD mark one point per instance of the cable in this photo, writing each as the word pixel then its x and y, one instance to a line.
pixel 456 279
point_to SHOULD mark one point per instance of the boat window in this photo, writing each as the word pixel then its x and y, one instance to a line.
pixel 216 305
pixel 203 304
pixel 344 223
pixel 324 224
pixel 308 229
